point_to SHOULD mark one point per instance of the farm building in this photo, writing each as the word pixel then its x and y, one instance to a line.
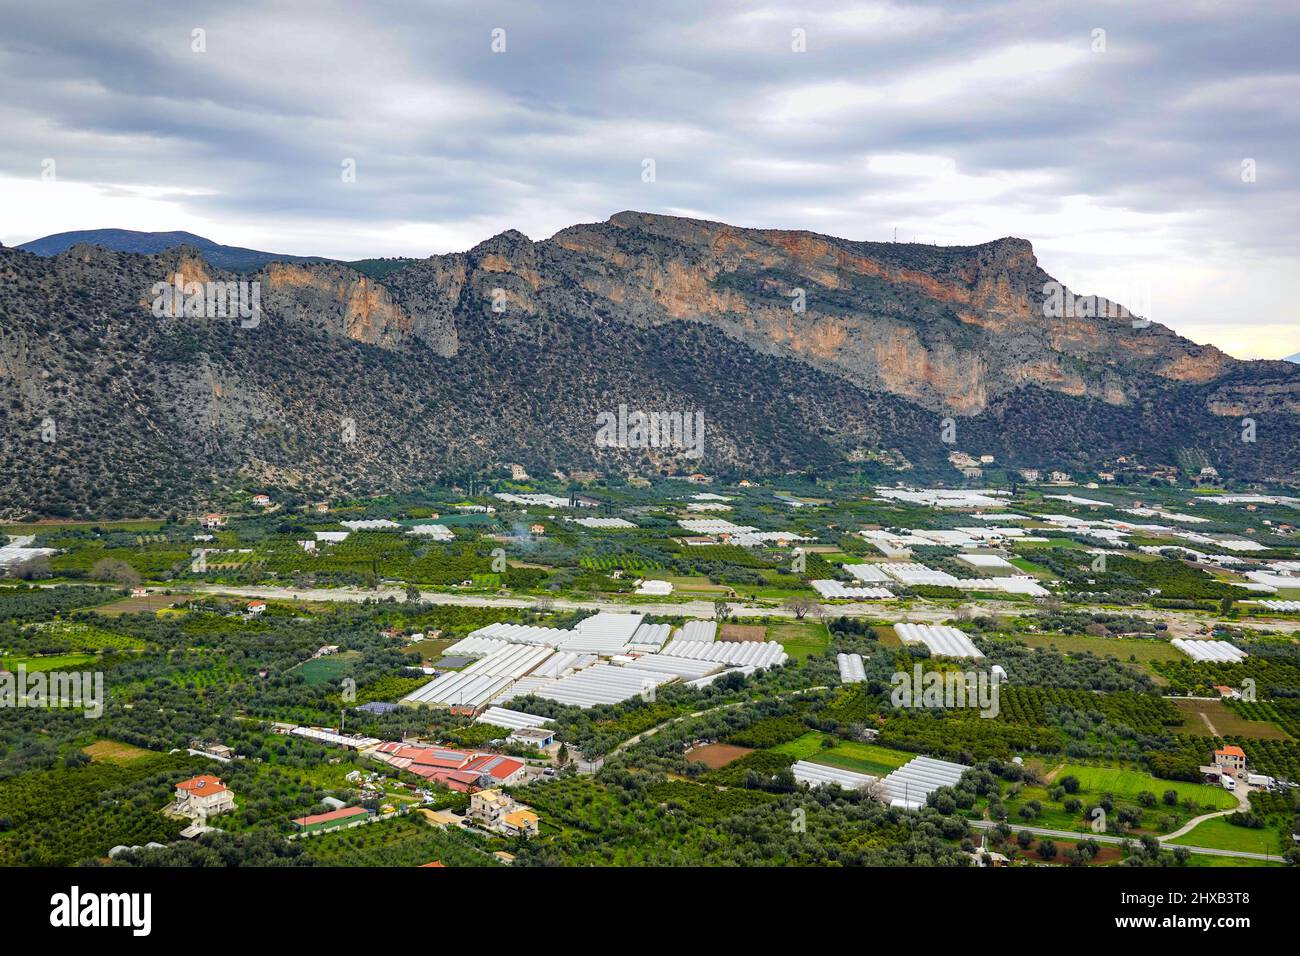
pixel 471 689
pixel 987 562
pixel 438 532
pixel 697 631
pixel 494 770
pixel 1219 651
pixel 868 573
pixel 738 653
pixel 819 775
pixel 320 822
pixel 510 719
pixel 912 783
pixel 533 737
pixel 835 591
pixel 607 523
pixel 942 640
pixel 851 669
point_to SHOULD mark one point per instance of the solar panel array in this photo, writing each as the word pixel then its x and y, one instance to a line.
pixel 1220 651
pixel 942 640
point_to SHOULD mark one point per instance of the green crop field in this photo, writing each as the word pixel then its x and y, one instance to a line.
pixel 1129 783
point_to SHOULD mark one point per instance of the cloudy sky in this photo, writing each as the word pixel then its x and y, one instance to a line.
pixel 1146 149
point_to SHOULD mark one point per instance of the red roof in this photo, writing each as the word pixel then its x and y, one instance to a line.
pixel 332 815
pixel 434 863
pixel 450 759
pixel 1231 751
pixel 202 785
pixel 495 766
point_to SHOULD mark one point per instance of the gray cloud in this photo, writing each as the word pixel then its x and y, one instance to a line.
pixel 954 121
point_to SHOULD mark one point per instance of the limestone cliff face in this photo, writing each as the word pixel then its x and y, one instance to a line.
pixel 951 328
pixel 799 349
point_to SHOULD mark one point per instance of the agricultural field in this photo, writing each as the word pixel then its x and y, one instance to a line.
pixel 800 640
pixel 1219 834
pixel 691 774
pixel 845 754
pixel 1202 716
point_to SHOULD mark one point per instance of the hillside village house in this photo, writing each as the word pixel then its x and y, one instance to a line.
pixel 202 797
pixel 262 501
pixel 1030 474
pixel 255 608
pixel 521 822
pixel 1230 759
pixel 498 811
pixel 213 521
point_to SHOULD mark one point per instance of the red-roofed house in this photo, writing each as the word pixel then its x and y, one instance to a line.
pixel 1231 759
pixel 495 770
pixel 202 797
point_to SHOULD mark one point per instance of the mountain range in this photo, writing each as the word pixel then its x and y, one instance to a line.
pixel 802 351
pixel 126 240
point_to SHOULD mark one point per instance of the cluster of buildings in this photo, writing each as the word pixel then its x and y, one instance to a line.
pixel 461 770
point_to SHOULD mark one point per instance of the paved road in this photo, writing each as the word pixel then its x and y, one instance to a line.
pixel 1108 838
pixel 699 609
pixel 919 612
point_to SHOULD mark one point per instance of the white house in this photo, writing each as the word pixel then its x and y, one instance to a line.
pixel 202 797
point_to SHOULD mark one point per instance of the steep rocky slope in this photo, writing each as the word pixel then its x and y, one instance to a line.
pixel 509 351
